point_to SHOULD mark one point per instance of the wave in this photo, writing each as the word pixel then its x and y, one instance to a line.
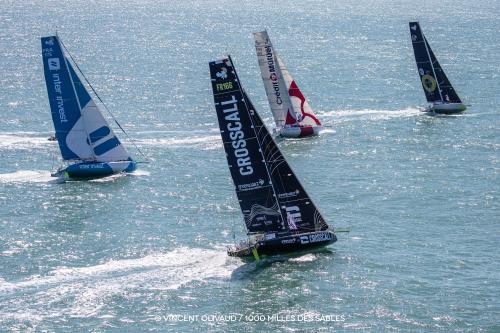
pixel 23 176
pixel 210 140
pixel 371 114
pixel 23 140
pixel 140 172
pixel 83 291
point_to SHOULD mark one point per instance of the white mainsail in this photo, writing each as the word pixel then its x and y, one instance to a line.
pixel 276 90
pixel 288 104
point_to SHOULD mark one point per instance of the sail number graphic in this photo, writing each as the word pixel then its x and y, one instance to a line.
pixel 429 83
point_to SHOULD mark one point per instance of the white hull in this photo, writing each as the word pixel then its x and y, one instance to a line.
pixel 299 132
pixel 447 108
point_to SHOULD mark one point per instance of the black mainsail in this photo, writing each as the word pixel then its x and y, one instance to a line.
pixel 437 88
pixel 270 195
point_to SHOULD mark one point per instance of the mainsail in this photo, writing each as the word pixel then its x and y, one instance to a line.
pixel 276 89
pixel 436 85
pixel 287 102
pixel 81 130
pixel 270 195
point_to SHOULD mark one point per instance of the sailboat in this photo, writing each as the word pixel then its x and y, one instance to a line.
pixel 279 215
pixel 87 143
pixel 437 88
pixel 292 113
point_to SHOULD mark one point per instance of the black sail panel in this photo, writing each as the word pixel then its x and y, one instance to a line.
pixel 250 176
pixel 424 65
pixel 297 208
pixel 447 90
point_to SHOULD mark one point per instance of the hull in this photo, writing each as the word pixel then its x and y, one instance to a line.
pixel 299 131
pixel 447 108
pixel 92 170
pixel 283 244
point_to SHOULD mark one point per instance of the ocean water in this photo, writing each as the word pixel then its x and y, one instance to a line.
pixel 146 252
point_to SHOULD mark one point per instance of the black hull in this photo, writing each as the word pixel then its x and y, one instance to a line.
pixel 284 244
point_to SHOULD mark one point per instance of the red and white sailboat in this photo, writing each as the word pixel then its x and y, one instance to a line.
pixel 292 113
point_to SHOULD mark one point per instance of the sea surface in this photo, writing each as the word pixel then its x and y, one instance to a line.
pixel 146 252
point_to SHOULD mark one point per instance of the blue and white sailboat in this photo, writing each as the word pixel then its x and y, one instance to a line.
pixel 85 138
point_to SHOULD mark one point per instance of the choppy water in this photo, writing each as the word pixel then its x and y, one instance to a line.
pixel 129 253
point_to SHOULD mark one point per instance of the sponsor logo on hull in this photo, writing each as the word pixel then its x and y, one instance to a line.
pixel 316 238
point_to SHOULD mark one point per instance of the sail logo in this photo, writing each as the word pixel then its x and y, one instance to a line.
pixel 273 76
pixel 102 140
pixel 237 136
pixel 429 83
pixel 293 217
pixel 222 74
pixel 54 64
pixel 59 99
pixel 288 194
pixel 250 186
pixel 49 42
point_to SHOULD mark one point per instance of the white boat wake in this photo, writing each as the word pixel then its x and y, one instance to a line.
pixel 370 114
pixel 24 140
pixel 84 291
pixel 27 176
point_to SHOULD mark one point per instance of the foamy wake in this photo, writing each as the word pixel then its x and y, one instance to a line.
pixel 23 140
pixel 27 176
pixel 204 141
pixel 83 291
pixel 369 114
pixel 140 173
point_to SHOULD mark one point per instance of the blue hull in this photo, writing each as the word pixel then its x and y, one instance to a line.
pixel 92 170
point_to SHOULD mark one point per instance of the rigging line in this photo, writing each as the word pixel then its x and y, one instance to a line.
pixel 102 102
